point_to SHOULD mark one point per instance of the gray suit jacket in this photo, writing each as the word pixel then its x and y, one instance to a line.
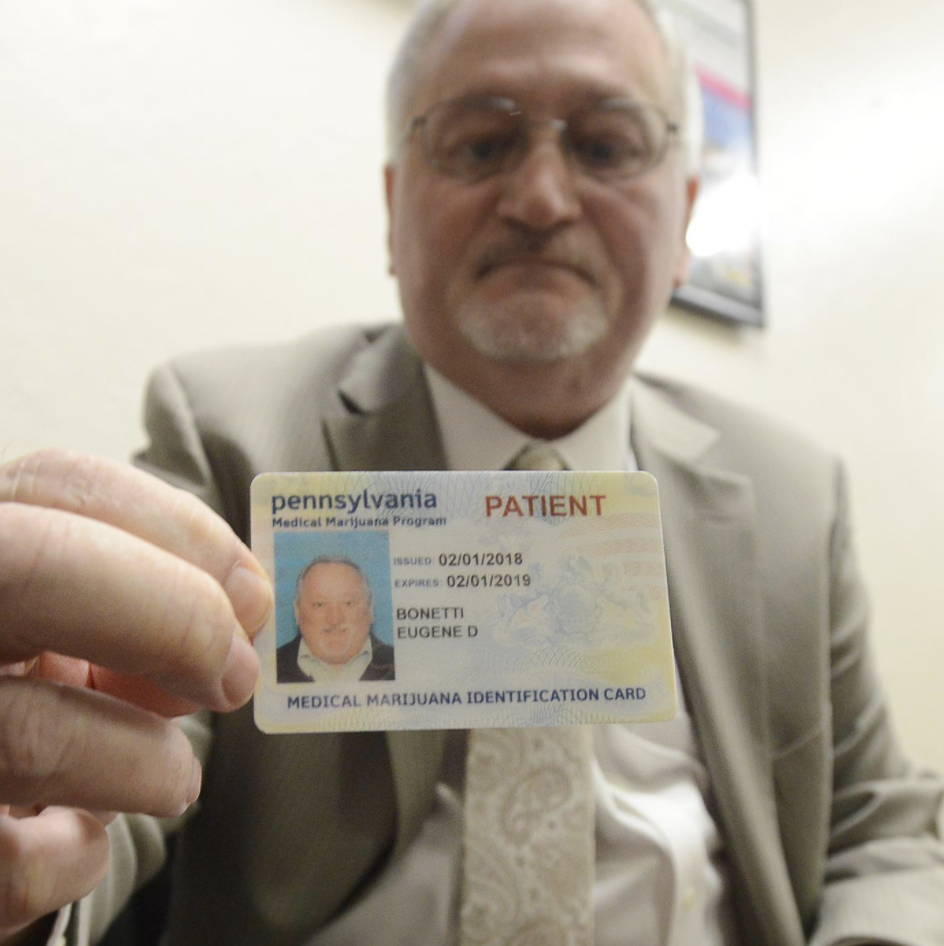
pixel 830 830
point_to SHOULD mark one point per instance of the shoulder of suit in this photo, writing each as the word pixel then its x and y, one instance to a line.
pixel 748 439
pixel 257 392
pixel 289 646
pixel 320 357
pixel 382 651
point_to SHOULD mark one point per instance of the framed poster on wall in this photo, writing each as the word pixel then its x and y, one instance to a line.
pixel 724 236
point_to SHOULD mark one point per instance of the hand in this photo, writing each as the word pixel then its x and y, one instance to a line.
pixel 123 602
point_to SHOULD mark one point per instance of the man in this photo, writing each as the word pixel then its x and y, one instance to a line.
pixel 538 200
pixel 334 611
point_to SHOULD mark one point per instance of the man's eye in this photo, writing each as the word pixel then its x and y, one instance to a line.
pixel 485 149
pixel 603 152
pixel 480 151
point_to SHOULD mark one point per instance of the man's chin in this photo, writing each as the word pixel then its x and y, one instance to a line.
pixel 526 338
pixel 335 655
pixel 336 660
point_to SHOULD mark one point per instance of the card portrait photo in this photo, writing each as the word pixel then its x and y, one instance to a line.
pixel 334 612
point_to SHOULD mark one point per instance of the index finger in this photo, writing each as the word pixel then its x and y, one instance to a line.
pixel 84 589
pixel 146 507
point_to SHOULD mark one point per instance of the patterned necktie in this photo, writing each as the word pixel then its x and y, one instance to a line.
pixel 529 825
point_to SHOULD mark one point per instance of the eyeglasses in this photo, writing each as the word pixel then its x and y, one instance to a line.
pixel 474 138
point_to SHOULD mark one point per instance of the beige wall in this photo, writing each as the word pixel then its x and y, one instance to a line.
pixel 177 172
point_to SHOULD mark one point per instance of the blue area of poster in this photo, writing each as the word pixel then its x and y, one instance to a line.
pixel 729 130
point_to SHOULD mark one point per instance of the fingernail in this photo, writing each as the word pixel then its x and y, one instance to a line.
pixel 251 596
pixel 196 780
pixel 240 672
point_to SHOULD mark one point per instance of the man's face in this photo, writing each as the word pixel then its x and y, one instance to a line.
pixel 333 612
pixel 539 264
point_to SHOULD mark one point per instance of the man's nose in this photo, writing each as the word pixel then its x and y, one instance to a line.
pixel 540 193
pixel 334 612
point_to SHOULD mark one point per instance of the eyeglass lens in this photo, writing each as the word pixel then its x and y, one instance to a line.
pixel 477 139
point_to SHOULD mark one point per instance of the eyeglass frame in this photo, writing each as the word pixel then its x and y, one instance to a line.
pixel 560 125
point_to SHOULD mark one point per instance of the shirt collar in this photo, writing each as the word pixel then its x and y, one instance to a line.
pixel 474 438
pixel 321 672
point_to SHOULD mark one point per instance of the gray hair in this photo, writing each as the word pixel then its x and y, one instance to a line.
pixel 335 560
pixel 431 15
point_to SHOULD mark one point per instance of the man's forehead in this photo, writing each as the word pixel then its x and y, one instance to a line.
pixel 568 47
pixel 331 572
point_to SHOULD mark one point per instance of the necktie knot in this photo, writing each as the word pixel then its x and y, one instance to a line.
pixel 538 456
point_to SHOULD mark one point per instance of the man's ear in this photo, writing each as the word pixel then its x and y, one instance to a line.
pixel 390 178
pixel 680 276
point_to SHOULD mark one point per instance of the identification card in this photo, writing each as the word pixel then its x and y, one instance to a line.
pixel 461 600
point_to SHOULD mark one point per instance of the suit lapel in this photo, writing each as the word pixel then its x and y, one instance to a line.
pixel 386 421
pixel 715 598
